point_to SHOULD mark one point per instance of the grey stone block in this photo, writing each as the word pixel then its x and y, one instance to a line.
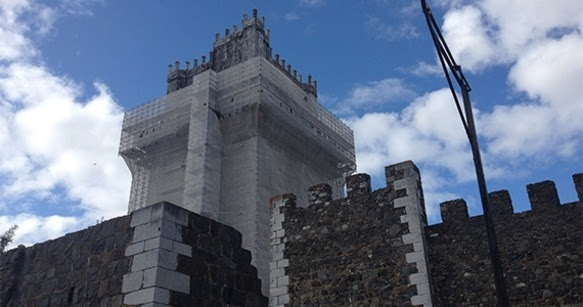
pixel 278 291
pixel 150 277
pixel 147 231
pixel 158 242
pixel 149 295
pixel 183 249
pixel 173 280
pixel 171 230
pixel 153 258
pixel 155 305
pixel 132 281
pixel 134 249
pixel 141 216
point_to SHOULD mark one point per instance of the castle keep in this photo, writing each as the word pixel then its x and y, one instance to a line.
pixel 236 199
pixel 234 130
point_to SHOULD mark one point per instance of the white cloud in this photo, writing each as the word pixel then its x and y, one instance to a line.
pixel 79 7
pixel 32 229
pixel 55 144
pixel 427 131
pixel 291 16
pixel 313 3
pixel 551 71
pixel 540 42
pixel 370 96
pixel 391 33
pixel 522 23
pixel 467 37
pixel 423 69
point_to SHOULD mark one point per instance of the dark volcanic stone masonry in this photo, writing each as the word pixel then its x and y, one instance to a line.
pixel 83 268
pixel 348 251
pixel 541 252
pixel 351 251
pixel 355 251
pixel 220 270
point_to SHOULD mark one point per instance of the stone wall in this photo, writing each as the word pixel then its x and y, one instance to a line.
pixel 161 255
pixel 374 247
pixel 80 269
pixel 366 249
pixel 541 251
pixel 370 248
pixel 180 258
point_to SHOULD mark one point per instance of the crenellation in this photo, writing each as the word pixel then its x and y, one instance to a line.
pixel 534 247
pixel 454 211
pixel 358 185
pixel 500 203
pixel 308 87
pixel 376 245
pixel 543 195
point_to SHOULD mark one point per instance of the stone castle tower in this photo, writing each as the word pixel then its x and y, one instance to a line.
pixel 232 131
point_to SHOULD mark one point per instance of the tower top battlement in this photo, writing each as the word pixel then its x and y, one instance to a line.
pixel 236 46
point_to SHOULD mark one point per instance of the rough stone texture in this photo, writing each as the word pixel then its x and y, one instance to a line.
pixel 364 249
pixel 358 185
pixel 320 194
pixel 500 203
pixel 81 269
pixel 180 258
pixel 454 210
pixel 541 252
pixel 344 252
pixel 220 270
pixel 542 195
pixel 161 255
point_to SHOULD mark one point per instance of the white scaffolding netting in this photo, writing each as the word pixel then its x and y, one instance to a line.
pixel 154 120
pixel 148 131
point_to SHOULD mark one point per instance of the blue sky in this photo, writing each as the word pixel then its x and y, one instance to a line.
pixel 68 70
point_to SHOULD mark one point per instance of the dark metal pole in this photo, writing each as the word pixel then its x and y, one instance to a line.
pixel 501 295
pixel 445 56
